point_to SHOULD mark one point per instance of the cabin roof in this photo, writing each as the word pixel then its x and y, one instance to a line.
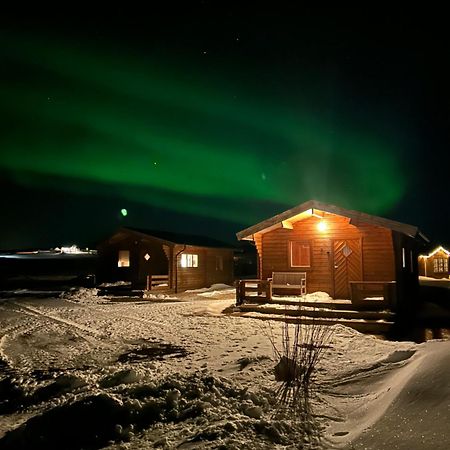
pixel 437 250
pixel 181 238
pixel 356 216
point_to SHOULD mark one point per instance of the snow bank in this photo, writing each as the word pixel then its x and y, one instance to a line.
pixel 409 405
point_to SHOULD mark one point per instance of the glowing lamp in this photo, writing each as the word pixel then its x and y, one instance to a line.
pixel 124 212
pixel 322 226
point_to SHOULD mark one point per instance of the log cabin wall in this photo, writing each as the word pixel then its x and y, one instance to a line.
pixel 156 264
pixel 215 265
pixel 258 243
pixel 377 255
pixel 208 271
pixel 139 267
pixel 427 265
pixel 219 266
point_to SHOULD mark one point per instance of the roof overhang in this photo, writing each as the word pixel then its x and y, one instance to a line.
pixel 317 209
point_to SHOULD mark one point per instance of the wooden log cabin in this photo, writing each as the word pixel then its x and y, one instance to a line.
pixel 159 258
pixel 348 254
pixel 435 264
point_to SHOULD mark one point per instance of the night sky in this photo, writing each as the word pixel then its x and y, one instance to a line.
pixel 209 118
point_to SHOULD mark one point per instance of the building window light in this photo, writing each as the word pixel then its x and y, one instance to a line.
pixel 440 265
pixel 189 260
pixel 124 258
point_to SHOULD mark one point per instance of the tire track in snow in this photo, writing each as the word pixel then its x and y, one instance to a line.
pixel 99 347
pixel 10 334
pixel 69 323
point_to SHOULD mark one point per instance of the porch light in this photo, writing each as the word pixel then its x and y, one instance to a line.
pixel 322 226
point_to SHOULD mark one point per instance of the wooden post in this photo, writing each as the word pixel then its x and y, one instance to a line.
pixel 269 290
pixel 239 299
pixel 149 282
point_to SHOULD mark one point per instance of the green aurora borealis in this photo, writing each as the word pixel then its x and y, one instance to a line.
pixel 204 140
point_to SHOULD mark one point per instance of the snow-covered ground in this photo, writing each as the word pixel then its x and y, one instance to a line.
pixel 437 282
pixel 176 372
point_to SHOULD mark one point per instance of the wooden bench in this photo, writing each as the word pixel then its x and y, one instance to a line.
pixel 294 281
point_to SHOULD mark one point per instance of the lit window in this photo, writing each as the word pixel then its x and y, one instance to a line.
pixel 189 260
pixel 440 265
pixel 124 258
pixel 403 257
pixel 300 254
pixel 219 263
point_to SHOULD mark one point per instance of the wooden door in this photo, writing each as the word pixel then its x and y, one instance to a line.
pixel 347 265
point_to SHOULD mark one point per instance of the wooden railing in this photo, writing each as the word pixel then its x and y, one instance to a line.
pixel 157 282
pixel 366 293
pixel 245 288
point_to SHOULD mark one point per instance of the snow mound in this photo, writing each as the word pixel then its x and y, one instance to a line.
pixel 200 410
pixel 410 405
pixel 210 309
pixel 82 295
pixel 318 297
pixel 116 283
pixel 212 288
pixel 149 295
pixel 126 376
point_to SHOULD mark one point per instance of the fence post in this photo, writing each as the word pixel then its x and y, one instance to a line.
pixel 269 290
pixel 149 282
pixel 238 292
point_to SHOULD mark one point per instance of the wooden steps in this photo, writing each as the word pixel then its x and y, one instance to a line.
pixel 308 313
pixel 320 313
pixel 332 304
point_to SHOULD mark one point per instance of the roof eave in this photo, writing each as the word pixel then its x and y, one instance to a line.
pixel 406 229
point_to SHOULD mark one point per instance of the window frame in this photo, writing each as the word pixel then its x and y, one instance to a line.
pixel 123 255
pixel 440 265
pixel 189 261
pixel 308 243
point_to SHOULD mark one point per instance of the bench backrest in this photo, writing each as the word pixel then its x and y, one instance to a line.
pixel 289 278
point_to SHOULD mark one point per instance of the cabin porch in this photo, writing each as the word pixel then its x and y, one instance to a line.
pixel 368 309
pixel 364 295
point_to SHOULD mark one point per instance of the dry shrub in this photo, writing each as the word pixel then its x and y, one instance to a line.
pixel 302 347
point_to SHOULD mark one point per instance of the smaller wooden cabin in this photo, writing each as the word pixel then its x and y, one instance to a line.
pixel 348 254
pixel 186 261
pixel 435 264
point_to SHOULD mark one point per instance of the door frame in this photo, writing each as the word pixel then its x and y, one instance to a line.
pixel 332 263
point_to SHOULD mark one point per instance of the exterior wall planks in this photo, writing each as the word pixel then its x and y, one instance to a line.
pixel 377 250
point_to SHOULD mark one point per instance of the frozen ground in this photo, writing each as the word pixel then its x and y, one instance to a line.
pixel 175 372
